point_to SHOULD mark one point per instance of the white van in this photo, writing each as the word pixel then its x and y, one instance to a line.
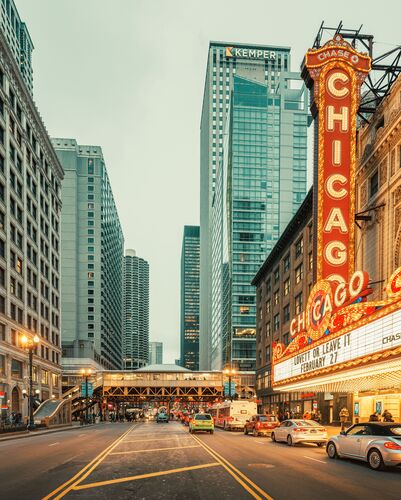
pixel 232 415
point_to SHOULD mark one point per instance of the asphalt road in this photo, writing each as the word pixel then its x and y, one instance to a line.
pixel 163 461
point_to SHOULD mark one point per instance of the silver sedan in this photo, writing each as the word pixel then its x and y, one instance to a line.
pixel 300 431
pixel 378 443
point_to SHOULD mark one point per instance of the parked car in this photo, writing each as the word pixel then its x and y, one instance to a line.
pixel 300 431
pixel 261 424
pixel 162 417
pixel 201 422
pixel 378 443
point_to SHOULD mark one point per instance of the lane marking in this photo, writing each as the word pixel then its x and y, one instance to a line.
pixel 155 439
pixel 144 476
pixel 154 449
pixel 315 459
pixel 82 434
pixel 259 442
pixel 68 484
pixel 54 444
pixel 235 473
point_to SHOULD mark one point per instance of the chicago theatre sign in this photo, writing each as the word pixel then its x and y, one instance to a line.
pixel 340 328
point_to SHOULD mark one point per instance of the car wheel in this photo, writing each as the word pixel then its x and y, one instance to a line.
pixel 332 450
pixel 320 444
pixel 375 460
pixel 211 432
pixel 245 431
pixel 273 437
pixel 289 440
pixel 255 433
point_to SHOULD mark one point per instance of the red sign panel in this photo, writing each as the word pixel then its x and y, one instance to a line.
pixel 338 72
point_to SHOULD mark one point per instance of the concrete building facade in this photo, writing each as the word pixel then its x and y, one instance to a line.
pixel 30 206
pixel 92 260
pixel 190 298
pixel 136 311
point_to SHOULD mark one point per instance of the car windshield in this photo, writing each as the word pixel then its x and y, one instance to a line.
pixel 205 416
pixel 307 423
pixel 396 430
pixel 267 418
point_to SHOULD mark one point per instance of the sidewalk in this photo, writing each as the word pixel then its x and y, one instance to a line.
pixel 27 434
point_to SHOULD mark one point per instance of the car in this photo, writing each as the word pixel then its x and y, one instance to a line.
pixel 162 417
pixel 261 424
pixel 201 422
pixel 187 419
pixel 295 431
pixel 378 443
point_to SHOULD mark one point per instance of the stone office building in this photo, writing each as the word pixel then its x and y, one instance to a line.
pixel 30 185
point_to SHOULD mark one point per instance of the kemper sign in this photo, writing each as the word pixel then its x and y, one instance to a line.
pixel 340 327
pixel 337 71
pixel 248 53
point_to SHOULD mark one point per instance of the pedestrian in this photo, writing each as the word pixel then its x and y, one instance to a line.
pixel 307 416
pixel 93 417
pixel 387 416
pixel 374 417
pixel 318 417
pixel 344 416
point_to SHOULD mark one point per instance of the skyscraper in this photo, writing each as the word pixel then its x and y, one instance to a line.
pixel 155 353
pixel 253 178
pixel 190 298
pixel 30 204
pixel 18 39
pixel 92 260
pixel 136 311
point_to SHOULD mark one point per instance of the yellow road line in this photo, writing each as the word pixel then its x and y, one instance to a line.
pixel 77 476
pixel 144 476
pixel 235 472
pixel 153 449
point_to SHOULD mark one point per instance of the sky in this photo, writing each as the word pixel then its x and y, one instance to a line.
pixel 128 75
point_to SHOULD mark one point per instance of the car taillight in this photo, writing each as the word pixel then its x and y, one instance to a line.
pixel 257 425
pixel 390 445
pixel 300 429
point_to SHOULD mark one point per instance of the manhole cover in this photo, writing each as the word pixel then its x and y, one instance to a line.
pixel 261 466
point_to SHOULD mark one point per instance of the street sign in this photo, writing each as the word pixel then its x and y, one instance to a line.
pixel 227 388
pixel 83 389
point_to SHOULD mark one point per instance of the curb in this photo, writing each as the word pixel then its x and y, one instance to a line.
pixel 28 434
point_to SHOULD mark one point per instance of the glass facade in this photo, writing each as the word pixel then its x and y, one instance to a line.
pixel 190 298
pixel 259 184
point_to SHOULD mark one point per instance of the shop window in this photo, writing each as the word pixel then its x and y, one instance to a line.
pixel 2 365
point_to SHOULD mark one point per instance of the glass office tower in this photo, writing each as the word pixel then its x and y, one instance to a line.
pixel 257 180
pixel 190 298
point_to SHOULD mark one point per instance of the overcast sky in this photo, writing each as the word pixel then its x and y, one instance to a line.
pixel 128 75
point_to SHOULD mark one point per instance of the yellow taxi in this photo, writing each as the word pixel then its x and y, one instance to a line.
pixel 201 422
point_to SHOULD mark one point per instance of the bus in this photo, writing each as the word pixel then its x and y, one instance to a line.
pixel 232 415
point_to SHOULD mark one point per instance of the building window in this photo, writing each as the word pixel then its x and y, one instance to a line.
pixel 16 368
pixel 268 306
pixel 287 263
pixel 374 184
pixel 286 339
pixel 310 261
pixel 310 232
pixel 276 322
pixel 286 313
pixel 2 365
pixel 268 329
pixel 276 275
pixel 276 297
pixel 45 377
pixel 298 303
pixel 267 354
pixel 299 273
pixel 268 286
pixel 2 331
pixel 299 248
pixel 287 286
pixel 244 310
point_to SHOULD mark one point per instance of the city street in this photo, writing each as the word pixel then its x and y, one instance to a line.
pixel 151 461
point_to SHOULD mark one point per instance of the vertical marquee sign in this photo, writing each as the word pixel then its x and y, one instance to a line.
pixel 336 71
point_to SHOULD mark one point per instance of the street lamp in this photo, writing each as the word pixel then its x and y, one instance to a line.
pixel 86 372
pixel 30 343
pixel 230 372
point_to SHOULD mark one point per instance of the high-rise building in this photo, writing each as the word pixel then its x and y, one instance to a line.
pixel 253 179
pixel 190 298
pixel 155 353
pixel 92 260
pixel 136 311
pixel 30 204
pixel 18 39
